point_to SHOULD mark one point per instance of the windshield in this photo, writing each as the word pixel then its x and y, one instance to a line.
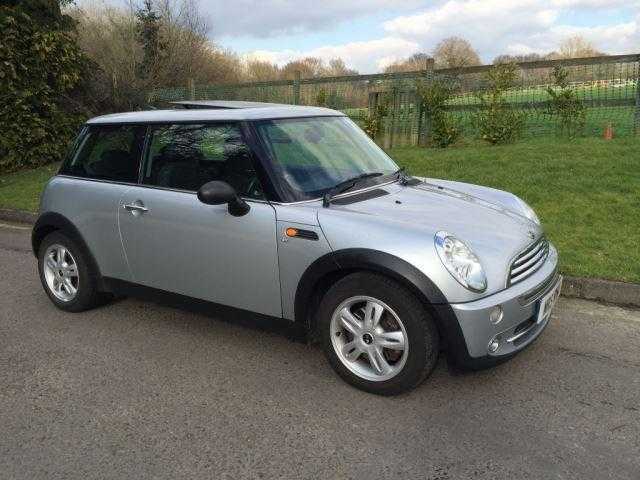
pixel 312 155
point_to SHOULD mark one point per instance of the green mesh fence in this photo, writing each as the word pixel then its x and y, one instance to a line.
pixel 608 87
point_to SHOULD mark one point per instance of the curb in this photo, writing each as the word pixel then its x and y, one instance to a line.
pixel 19 216
pixel 609 291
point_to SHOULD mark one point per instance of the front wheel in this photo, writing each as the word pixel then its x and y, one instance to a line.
pixel 377 335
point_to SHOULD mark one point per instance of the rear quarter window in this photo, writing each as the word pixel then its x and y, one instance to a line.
pixel 109 152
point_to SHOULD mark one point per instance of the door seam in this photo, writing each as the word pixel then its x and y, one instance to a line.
pixel 124 251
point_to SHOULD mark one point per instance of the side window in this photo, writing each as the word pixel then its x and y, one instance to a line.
pixel 108 153
pixel 185 157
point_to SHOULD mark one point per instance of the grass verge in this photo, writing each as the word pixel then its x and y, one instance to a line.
pixel 21 190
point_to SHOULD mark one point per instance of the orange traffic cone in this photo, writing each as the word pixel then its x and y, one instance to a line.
pixel 608 132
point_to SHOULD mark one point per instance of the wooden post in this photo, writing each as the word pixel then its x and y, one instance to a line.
pixel 373 102
pixel 430 64
pixel 296 88
pixel 191 88
pixel 386 135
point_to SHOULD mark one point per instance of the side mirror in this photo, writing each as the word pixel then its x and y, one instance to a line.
pixel 217 193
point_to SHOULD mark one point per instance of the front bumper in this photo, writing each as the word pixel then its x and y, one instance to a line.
pixel 519 325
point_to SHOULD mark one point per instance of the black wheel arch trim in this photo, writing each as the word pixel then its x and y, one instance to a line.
pixel 358 259
pixel 52 221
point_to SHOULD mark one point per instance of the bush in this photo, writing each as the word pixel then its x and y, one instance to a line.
pixel 568 111
pixel 496 121
pixel 333 99
pixel 373 122
pixel 321 98
pixel 41 68
pixel 443 128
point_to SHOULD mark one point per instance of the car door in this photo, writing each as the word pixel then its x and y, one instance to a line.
pixel 103 166
pixel 174 242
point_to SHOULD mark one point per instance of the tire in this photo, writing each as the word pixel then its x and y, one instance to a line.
pixel 85 281
pixel 403 320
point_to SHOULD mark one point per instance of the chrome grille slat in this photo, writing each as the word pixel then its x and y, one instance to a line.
pixel 523 266
pixel 530 271
pixel 523 257
pixel 529 261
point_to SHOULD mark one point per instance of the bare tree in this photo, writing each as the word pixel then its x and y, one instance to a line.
pixel 308 67
pixel 110 39
pixel 114 38
pixel 260 71
pixel 338 68
pixel 576 47
pixel 455 52
pixel 417 61
pixel 188 52
pixel 518 58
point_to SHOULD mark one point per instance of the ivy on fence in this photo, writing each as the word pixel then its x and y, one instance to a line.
pixel 442 128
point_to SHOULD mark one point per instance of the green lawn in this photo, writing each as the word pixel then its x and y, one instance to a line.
pixel 626 90
pixel 21 190
pixel 587 193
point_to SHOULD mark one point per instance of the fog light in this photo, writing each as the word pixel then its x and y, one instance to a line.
pixel 496 315
pixel 494 344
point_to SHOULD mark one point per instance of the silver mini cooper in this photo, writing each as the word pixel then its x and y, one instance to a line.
pixel 293 213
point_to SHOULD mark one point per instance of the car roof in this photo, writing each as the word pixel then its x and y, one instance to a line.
pixel 214 114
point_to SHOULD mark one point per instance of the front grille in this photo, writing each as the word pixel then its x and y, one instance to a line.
pixel 530 260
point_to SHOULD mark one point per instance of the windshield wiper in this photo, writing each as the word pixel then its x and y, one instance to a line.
pixel 346 185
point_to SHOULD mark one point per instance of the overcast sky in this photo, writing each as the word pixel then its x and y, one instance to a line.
pixel 369 34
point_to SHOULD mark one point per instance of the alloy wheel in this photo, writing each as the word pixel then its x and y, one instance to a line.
pixel 61 272
pixel 369 338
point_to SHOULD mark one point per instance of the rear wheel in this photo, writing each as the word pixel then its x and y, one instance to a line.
pixel 377 335
pixel 66 274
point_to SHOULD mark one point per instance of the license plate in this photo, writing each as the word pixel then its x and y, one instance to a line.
pixel 548 302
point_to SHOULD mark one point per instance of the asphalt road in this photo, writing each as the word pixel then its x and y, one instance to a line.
pixel 136 390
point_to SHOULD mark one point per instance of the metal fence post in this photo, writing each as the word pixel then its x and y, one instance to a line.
pixel 637 114
pixel 296 88
pixel 423 122
pixel 395 106
pixel 424 119
pixel 191 88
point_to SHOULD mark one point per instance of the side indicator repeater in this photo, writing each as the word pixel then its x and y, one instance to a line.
pixel 291 232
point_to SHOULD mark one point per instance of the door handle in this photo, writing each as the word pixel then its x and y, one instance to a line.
pixel 133 207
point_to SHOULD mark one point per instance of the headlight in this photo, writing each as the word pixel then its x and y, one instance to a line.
pixel 527 211
pixel 461 262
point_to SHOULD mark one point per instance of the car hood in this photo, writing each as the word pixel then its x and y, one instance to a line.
pixel 490 221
